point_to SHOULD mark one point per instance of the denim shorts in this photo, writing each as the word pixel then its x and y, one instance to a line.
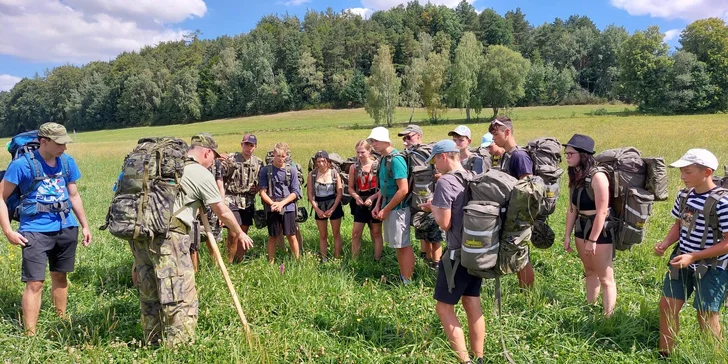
pixel 709 291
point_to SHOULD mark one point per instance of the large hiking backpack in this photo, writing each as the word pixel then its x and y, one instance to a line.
pixel 142 207
pixel 482 153
pixel 289 162
pixel 545 154
pixel 23 145
pixel 721 181
pixel 630 200
pixel 420 174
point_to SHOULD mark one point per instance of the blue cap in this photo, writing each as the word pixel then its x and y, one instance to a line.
pixel 443 146
pixel 486 140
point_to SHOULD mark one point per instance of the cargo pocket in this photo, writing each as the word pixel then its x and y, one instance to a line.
pixel 170 267
pixel 161 204
pixel 513 252
pixel 636 212
pixel 551 196
pixel 422 185
pixel 123 216
pixel 481 228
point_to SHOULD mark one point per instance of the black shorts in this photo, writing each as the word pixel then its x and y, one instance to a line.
pixel 581 231
pixel 244 217
pixel 465 285
pixel 325 203
pixel 287 221
pixel 363 214
pixel 57 249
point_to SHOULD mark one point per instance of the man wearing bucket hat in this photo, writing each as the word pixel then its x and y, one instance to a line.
pixel 516 162
pixel 48 232
pixel 391 206
pixel 699 263
pixel 469 160
pixel 447 207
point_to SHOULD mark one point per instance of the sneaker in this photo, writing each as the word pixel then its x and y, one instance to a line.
pixel 405 281
pixel 324 260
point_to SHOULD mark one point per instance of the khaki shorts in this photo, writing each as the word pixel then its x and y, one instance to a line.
pixel 397 229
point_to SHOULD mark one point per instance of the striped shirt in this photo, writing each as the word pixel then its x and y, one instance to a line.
pixel 694 210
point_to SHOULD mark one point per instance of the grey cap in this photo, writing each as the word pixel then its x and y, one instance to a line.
pixel 410 129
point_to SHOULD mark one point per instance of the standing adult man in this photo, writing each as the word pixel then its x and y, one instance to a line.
pixel 392 207
pixel 426 229
pixel 241 186
pixel 447 208
pixel 516 162
pixel 166 278
pixel 48 232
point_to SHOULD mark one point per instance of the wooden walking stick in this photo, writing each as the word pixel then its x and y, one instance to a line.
pixel 212 243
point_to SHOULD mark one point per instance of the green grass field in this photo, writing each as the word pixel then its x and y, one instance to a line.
pixel 343 311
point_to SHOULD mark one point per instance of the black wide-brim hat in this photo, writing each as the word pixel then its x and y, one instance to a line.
pixel 582 143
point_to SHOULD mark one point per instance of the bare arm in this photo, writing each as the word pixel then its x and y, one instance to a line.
pixel 14 237
pixel 442 217
pixel 78 210
pixel 226 216
pixel 399 196
pixel 600 184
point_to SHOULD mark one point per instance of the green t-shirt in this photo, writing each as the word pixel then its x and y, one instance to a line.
pixel 198 185
pixel 388 174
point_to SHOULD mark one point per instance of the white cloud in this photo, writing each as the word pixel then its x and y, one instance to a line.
pixel 672 34
pixel 295 2
pixel 675 9
pixel 363 12
pixel 83 30
pixel 388 4
pixel 7 82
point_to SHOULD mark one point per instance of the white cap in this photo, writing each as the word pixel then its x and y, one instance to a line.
pixel 702 157
pixel 381 134
pixel 461 130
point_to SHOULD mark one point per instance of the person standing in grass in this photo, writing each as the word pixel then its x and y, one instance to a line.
pixel 516 162
pixel 279 190
pixel 588 211
pixel 699 262
pixel 469 160
pixel 325 191
pixel 364 191
pixel 48 233
pixel 426 229
pixel 392 207
pixel 241 186
pixel 447 207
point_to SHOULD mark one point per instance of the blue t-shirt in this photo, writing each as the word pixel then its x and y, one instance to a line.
pixel 280 190
pixel 389 174
pixel 519 163
pixel 51 189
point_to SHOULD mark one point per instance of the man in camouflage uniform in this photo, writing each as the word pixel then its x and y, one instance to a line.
pixel 241 186
pixel 166 279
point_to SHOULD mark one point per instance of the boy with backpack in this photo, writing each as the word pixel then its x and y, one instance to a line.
pixel 422 177
pixel 469 160
pixel 698 263
pixel 447 207
pixel 48 232
pixel 241 186
pixel 493 149
pixel 392 207
pixel 279 190
pixel 517 163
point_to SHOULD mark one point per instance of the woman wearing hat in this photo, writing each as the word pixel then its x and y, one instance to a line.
pixel 586 216
pixel 325 191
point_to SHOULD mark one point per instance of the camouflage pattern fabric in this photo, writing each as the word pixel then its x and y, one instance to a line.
pixel 426 227
pixel 240 178
pixel 166 284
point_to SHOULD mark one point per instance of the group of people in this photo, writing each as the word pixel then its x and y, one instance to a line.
pixel 381 193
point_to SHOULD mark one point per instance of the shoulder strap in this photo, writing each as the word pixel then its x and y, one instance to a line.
pixel 270 180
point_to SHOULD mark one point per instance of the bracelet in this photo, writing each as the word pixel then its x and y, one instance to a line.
pixel 591 241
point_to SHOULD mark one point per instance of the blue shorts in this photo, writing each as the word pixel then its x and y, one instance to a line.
pixel 710 290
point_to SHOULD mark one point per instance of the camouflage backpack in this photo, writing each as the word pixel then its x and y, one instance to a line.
pixel 545 154
pixel 147 188
pixel 240 178
pixel 630 201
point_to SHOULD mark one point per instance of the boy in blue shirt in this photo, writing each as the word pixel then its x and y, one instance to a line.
pixel 48 232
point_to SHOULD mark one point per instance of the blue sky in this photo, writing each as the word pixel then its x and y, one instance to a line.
pixel 39 34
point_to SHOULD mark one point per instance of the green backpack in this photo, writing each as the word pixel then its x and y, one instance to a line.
pixel 142 207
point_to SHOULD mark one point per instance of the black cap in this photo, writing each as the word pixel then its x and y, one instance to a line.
pixel 321 154
pixel 582 143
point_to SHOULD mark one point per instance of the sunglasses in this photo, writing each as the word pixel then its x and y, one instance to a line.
pixel 407 137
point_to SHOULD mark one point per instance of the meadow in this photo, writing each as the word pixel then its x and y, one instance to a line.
pixel 355 311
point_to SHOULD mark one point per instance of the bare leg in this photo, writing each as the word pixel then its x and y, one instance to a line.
pixel 376 233
pixel 356 233
pixel 453 330
pixel 476 324
pixel 299 238
pixel 31 305
pixel 323 229
pixel 406 260
pixel 293 243
pixel 336 230
pixel 59 292
pixel 272 243
pixel 669 322
pixel 710 321
pixel 436 252
pixel 592 278
pixel 526 276
pixel 603 266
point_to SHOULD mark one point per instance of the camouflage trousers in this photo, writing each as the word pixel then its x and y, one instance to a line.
pixel 166 284
pixel 426 227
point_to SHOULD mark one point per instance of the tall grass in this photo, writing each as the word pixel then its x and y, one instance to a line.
pixel 355 311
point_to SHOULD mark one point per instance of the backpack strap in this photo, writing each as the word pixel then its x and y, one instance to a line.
pixel 450 262
pixel 712 224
